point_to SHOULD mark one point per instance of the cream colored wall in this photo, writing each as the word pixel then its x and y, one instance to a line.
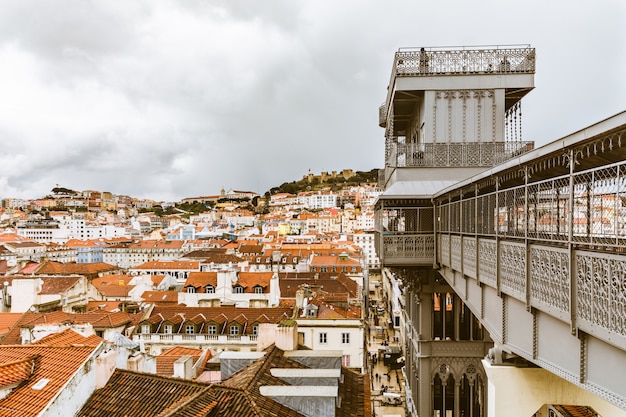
pixel 521 392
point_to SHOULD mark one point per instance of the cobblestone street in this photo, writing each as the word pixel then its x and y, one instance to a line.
pixel 384 378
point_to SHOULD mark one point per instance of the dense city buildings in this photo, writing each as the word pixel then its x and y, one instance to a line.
pixel 203 290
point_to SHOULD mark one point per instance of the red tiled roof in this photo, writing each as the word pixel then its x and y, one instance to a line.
pixel 252 279
pixel 56 364
pixel 165 361
pixel 113 285
pixel 97 318
pixel 17 371
pixel 140 395
pixel 201 279
pixel 58 285
pixel 8 320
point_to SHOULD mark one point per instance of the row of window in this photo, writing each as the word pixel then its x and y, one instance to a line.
pixel 345 338
pixel 332 269
pixel 237 289
pixel 234 330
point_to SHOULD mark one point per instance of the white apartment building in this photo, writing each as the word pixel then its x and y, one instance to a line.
pixel 365 220
pixel 365 240
pixel 343 334
pixel 322 200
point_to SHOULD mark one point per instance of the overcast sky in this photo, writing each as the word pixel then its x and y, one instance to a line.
pixel 174 99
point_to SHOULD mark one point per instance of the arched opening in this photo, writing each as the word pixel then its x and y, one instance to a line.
pixel 443 396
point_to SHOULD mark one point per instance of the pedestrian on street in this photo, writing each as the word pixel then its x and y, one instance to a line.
pixel 376 376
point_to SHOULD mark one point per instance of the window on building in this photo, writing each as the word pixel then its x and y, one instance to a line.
pixel 234 330
pixel 345 338
pixel 212 329
pixel 238 289
pixel 191 290
pixel 167 329
pixel 209 289
pixel 190 329
pixel 255 330
pixel 324 269
pixel 443 316
pixel 258 289
pixel 145 329
pixel 345 360
pixel 323 338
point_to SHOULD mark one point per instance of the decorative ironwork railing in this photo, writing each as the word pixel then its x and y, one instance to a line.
pixel 413 249
pixel 600 304
pixel 541 210
pixel 454 61
pixel 551 236
pixel 454 154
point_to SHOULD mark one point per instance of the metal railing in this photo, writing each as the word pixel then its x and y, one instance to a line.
pixel 454 154
pixel 589 206
pixel 464 60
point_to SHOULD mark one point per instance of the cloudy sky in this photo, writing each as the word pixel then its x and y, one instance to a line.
pixel 173 99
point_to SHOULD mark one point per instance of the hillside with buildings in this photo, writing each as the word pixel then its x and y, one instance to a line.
pixel 195 295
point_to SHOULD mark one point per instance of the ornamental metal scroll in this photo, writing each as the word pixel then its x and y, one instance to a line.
pixel 487 262
pixel 469 256
pixel 601 295
pixel 464 61
pixel 512 270
pixel 550 283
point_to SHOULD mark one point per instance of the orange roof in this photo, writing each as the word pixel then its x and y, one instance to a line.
pixel 17 371
pixel 113 285
pixel 160 297
pixel 252 279
pixel 108 306
pixel 58 285
pixel 57 365
pixel 201 279
pixel 8 320
pixel 69 337
pixel 165 361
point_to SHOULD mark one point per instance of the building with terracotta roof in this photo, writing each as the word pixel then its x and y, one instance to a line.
pixel 330 312
pixel 292 383
pixel 32 326
pixel 46 293
pixel 27 250
pixel 240 289
pixel 120 287
pixel 182 362
pixel 88 270
pixel 130 255
pixel 215 328
pixel 178 270
pixel 52 378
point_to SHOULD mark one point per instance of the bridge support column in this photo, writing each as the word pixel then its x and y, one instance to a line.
pixel 520 392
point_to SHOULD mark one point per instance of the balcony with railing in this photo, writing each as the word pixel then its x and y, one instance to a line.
pixel 457 61
pixel 405 236
pixel 465 60
pixel 453 154
pixel 196 339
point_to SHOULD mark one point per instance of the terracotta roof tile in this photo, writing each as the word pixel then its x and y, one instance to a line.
pixel 8 320
pixel 56 364
pixel 165 361
pixel 201 279
pixel 140 395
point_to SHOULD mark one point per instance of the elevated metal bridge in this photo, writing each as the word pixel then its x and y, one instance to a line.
pixel 536 248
